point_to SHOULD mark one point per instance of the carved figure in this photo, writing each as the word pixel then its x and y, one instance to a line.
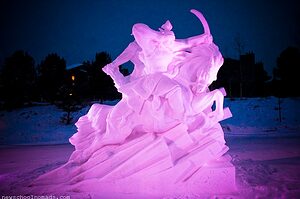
pixel 163 132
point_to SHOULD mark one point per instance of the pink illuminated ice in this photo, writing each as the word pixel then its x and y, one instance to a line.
pixel 163 137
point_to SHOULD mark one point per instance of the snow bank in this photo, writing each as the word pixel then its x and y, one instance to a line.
pixel 36 125
pixel 252 116
pixel 261 115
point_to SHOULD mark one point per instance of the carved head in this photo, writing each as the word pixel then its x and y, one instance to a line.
pixel 157 51
pixel 148 39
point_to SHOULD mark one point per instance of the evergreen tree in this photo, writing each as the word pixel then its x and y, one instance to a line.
pixel 52 72
pixel 69 104
pixel 286 74
pixel 18 76
pixel 124 70
pixel 102 86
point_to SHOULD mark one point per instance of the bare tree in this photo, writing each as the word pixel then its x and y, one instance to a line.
pixel 239 46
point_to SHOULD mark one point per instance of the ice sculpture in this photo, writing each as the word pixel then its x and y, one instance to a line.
pixel 163 137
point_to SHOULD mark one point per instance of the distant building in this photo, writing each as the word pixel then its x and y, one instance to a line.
pixel 242 78
pixel 77 79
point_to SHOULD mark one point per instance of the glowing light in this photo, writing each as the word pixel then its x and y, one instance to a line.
pixel 73 77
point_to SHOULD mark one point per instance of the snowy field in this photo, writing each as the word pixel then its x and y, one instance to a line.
pixel 264 151
pixel 267 167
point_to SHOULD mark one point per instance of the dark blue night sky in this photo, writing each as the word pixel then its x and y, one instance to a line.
pixel 76 29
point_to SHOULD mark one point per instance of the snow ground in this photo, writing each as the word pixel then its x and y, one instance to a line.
pixel 265 152
pixel 38 125
pixel 266 167
pixel 41 124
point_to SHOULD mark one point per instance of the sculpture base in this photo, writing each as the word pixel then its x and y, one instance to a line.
pixel 154 166
pixel 215 178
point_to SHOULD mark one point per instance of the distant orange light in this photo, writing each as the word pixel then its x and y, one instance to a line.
pixel 73 77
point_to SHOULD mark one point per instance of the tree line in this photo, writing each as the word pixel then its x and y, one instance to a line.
pixel 246 78
pixel 22 81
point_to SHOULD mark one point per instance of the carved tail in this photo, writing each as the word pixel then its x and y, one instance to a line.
pixel 202 19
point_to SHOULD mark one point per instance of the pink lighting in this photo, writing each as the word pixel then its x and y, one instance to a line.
pixel 163 137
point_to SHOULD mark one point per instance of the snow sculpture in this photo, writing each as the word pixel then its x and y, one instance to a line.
pixel 163 137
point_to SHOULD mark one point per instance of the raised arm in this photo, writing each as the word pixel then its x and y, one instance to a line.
pixel 112 69
pixel 127 55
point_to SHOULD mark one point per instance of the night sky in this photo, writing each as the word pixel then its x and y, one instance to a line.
pixel 77 29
